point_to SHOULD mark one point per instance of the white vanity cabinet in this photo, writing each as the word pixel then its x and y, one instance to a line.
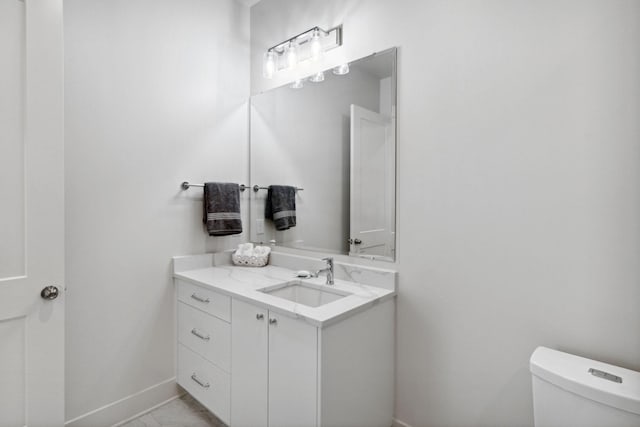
pixel 257 367
pixel 275 365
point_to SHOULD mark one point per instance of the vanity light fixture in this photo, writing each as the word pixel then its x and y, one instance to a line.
pixel 308 45
pixel 341 70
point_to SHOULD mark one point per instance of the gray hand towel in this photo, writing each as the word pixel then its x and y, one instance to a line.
pixel 281 206
pixel 222 208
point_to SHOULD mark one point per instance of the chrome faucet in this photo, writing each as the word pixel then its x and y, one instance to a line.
pixel 328 269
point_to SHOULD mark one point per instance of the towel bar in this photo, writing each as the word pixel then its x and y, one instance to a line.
pixel 257 188
pixel 185 186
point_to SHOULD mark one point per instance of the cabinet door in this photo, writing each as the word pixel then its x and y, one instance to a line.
pixel 293 367
pixel 249 366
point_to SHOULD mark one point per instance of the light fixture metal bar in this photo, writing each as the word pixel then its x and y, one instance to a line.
pixel 279 48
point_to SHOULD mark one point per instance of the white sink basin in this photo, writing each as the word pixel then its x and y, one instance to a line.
pixel 305 293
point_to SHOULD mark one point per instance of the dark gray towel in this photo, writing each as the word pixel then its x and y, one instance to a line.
pixel 222 208
pixel 281 206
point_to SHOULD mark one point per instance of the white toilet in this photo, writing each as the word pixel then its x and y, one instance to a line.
pixel 571 391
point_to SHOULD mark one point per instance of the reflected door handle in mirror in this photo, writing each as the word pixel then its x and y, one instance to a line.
pixel 50 293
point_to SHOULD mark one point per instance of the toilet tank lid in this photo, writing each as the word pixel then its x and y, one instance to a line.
pixel 572 373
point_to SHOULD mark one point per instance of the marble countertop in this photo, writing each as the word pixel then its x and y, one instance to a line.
pixel 243 283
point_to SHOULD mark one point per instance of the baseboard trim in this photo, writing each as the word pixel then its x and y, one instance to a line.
pixel 146 411
pixel 129 407
pixel 398 423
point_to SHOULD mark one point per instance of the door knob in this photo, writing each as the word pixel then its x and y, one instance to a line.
pixel 357 241
pixel 49 292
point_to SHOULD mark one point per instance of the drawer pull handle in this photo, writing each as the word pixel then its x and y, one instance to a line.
pixel 195 332
pixel 199 298
pixel 273 321
pixel 259 316
pixel 200 383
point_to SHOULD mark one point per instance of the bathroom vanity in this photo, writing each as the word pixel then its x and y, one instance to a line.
pixel 258 347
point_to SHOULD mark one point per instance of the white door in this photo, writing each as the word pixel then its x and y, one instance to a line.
pixel 31 213
pixel 372 225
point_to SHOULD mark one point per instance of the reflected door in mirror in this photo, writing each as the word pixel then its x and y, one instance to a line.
pixel 372 184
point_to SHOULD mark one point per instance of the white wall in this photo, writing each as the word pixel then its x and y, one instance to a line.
pixel 156 94
pixel 518 187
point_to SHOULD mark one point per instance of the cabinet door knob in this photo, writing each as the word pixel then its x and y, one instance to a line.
pixel 273 321
pixel 259 316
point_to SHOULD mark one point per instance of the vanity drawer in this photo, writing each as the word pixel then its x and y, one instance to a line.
pixel 205 299
pixel 206 335
pixel 210 385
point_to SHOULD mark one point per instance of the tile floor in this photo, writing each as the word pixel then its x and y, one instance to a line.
pixel 182 412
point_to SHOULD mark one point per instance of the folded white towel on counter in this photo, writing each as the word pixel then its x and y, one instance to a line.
pixel 247 254
pixel 247 249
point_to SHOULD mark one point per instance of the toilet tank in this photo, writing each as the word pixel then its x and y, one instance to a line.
pixel 571 391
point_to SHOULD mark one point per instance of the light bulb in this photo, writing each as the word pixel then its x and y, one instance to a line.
pixel 297 84
pixel 269 65
pixel 315 45
pixel 317 77
pixel 292 55
pixel 341 70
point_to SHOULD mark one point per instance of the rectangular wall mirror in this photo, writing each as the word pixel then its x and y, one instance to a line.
pixel 334 140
